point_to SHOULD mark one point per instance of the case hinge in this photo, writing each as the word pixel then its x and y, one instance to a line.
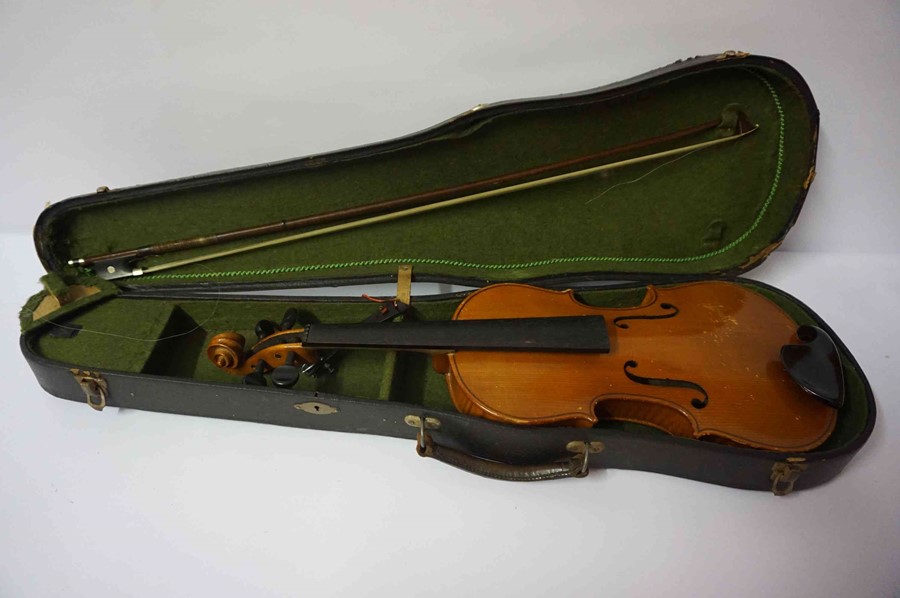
pixel 784 474
pixel 95 388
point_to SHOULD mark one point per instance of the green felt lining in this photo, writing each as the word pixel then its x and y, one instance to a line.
pixel 720 209
pixel 713 210
pixel 54 284
pixel 169 338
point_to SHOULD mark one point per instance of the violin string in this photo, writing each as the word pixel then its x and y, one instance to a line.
pixel 218 295
pixel 645 175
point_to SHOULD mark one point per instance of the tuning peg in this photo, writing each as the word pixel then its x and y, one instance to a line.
pixel 265 328
pixel 289 319
pixel 257 376
pixel 286 376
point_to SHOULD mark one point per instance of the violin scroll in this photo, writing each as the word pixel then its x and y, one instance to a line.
pixel 283 348
pixel 226 350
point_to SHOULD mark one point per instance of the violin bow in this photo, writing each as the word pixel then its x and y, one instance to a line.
pixel 118 264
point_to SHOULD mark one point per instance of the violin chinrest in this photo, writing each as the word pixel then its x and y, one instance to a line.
pixel 815 365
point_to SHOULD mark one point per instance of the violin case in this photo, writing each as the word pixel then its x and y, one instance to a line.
pixel 710 214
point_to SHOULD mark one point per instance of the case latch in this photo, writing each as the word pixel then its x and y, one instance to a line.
pixel 784 474
pixel 94 386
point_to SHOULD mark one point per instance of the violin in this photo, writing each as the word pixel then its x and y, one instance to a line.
pixel 708 360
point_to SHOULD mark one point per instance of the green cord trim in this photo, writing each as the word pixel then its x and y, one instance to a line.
pixel 537 263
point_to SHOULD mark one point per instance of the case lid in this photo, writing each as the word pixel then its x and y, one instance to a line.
pixel 691 207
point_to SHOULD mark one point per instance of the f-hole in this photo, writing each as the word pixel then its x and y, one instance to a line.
pixel 671 310
pixel 695 402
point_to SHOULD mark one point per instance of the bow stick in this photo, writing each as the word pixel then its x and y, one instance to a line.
pixel 117 264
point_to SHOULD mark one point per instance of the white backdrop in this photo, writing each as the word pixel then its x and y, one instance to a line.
pixel 121 93
pixel 139 504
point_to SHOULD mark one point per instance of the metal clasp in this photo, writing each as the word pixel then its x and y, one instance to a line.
pixel 95 388
pixel 415 421
pixel 784 474
pixel 584 448
pixel 422 423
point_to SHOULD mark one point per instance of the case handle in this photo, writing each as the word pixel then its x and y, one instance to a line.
pixel 573 467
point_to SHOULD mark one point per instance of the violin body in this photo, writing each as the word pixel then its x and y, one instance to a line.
pixel 698 360
pixel 704 360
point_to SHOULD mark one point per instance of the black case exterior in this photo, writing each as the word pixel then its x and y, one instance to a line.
pixel 498 450
pixel 482 439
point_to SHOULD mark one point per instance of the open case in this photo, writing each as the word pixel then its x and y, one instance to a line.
pixel 698 211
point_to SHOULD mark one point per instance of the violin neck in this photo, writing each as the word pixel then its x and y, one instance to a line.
pixel 577 334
